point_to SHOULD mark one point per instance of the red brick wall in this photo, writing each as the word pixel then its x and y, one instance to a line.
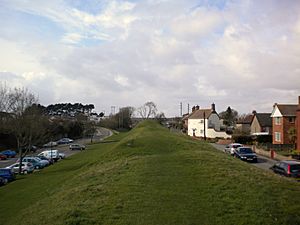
pixel 298 127
pixel 287 125
pixel 283 128
pixel 277 128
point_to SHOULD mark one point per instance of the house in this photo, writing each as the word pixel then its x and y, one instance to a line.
pixel 261 124
pixel 283 120
pixel 244 124
pixel 205 123
pixel 298 124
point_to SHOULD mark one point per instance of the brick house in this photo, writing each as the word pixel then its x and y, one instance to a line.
pixel 298 125
pixel 261 124
pixel 283 119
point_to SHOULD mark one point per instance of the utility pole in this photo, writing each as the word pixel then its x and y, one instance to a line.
pixel 181 109
pixel 188 108
pixel 204 126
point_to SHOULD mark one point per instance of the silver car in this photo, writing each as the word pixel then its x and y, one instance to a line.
pixel 27 167
pixel 232 147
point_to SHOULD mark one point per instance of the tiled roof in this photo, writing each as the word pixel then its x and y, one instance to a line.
pixel 264 119
pixel 246 120
pixel 199 114
pixel 287 110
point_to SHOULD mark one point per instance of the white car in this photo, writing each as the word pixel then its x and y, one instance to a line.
pixel 50 154
pixel 232 147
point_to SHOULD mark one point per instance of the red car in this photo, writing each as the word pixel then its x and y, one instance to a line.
pixel 3 157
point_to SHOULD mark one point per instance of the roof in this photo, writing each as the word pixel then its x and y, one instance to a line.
pixel 264 119
pixel 287 110
pixel 246 120
pixel 199 114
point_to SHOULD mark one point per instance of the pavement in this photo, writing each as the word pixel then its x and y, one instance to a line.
pixel 101 133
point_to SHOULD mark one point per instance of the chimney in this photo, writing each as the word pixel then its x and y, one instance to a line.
pixel 193 108
pixel 213 107
pixel 197 107
pixel 254 112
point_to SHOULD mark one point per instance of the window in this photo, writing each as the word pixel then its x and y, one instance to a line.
pixel 292 119
pixel 201 121
pixel 277 136
pixel 278 120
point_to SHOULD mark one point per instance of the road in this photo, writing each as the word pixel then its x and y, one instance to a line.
pixel 262 162
pixel 99 136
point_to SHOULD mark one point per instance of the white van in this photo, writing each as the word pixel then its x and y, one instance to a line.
pixel 50 154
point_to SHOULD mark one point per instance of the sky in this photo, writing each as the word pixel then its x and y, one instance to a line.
pixel 242 54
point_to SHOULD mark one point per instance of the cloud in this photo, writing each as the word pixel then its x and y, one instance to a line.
pixel 123 53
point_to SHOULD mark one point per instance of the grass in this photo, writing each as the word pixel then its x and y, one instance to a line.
pixel 150 176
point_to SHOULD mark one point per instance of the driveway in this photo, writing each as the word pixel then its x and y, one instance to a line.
pixel 262 161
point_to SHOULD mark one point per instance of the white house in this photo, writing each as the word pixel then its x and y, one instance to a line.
pixel 205 122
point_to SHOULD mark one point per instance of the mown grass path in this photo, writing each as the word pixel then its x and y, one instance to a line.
pixel 150 176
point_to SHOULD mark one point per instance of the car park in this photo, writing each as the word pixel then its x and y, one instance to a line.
pixel 289 168
pixel 7 174
pixel 50 144
pixel 232 147
pixel 34 161
pixel 65 141
pixel 26 167
pixel 77 147
pixel 2 156
pixel 245 154
pixel 9 153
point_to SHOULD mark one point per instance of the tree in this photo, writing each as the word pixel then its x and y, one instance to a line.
pixel 23 118
pixel 147 110
pixel 160 117
pixel 229 116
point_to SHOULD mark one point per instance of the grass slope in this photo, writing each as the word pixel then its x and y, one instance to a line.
pixel 151 176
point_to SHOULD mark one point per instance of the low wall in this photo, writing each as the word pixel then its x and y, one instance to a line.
pixel 268 154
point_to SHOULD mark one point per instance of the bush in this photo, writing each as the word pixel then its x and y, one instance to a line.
pixel 243 139
pixel 263 138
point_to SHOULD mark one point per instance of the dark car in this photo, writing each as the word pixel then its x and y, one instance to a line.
pixel 7 174
pixel 289 168
pixel 64 141
pixel 9 153
pixel 2 156
pixel 246 154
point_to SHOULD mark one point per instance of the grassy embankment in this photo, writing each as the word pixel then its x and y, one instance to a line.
pixel 151 176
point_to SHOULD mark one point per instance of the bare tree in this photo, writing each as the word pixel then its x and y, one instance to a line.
pixel 147 110
pixel 22 118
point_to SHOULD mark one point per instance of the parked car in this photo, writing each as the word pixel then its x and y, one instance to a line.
pixel 50 154
pixel 27 167
pixel 50 144
pixel 51 161
pixel 64 141
pixel 2 156
pixel 246 154
pixel 7 174
pixel 62 155
pixel 34 161
pixel 77 147
pixel 232 147
pixel 289 168
pixel 9 153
